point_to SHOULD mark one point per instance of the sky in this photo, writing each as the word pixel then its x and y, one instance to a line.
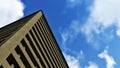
pixel 87 31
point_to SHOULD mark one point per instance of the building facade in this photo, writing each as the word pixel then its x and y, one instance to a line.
pixel 29 43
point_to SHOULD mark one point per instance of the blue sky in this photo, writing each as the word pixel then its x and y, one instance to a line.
pixel 87 31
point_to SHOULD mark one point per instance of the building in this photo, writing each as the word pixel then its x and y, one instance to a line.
pixel 29 43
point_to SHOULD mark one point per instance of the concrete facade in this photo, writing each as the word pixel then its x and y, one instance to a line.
pixel 29 43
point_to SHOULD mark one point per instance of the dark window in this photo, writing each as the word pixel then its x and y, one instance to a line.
pixel 40 48
pixel 34 49
pixel 1 66
pixel 29 53
pixel 48 39
pixel 22 57
pixel 1 40
pixel 11 60
pixel 41 45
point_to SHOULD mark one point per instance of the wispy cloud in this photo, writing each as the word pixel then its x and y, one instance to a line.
pixel 68 36
pixel 74 61
pixel 73 3
pixel 10 10
pixel 110 62
pixel 101 19
pixel 72 31
pixel 100 26
pixel 92 65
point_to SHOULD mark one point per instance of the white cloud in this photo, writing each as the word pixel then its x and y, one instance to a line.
pixel 72 31
pixel 68 35
pixel 73 3
pixel 72 61
pixel 10 10
pixel 118 32
pixel 101 11
pixel 91 65
pixel 109 59
pixel 80 55
pixel 103 15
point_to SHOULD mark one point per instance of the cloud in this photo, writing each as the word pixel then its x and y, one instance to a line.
pixel 104 14
pixel 68 36
pixel 72 31
pixel 72 61
pixel 91 65
pixel 10 10
pixel 73 3
pixel 75 61
pixel 109 59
